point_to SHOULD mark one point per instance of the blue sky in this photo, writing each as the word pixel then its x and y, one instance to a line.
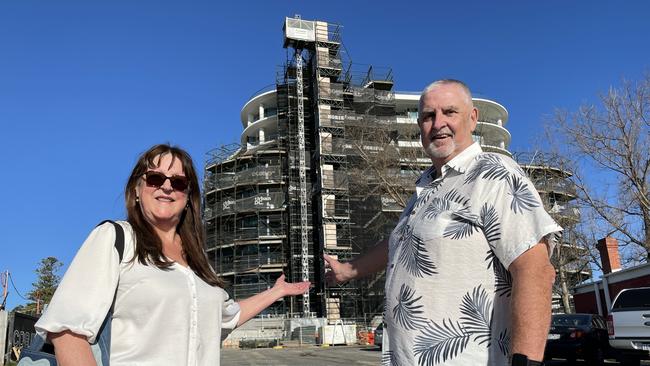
pixel 86 86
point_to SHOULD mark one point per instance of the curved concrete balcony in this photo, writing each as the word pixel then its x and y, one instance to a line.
pixel 251 110
pixel 491 111
pixel 494 134
pixel 268 124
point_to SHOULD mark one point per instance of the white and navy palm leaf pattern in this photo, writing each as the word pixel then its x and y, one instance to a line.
pixel 502 279
pixel 491 257
pixel 522 198
pixel 436 207
pixel 489 222
pixel 519 171
pixel 477 314
pixel 435 184
pixel 423 197
pixel 389 358
pixel 504 342
pixel 406 312
pixel 463 225
pixel 440 342
pixel 404 232
pixel 488 166
pixel 454 196
pixel 414 256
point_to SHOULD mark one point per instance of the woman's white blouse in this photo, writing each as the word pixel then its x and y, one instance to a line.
pixel 161 317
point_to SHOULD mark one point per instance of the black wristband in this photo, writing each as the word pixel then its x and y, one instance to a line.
pixel 522 360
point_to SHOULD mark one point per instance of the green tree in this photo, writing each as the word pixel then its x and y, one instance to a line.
pixel 43 288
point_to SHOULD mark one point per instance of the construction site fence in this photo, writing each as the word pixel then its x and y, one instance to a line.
pixel 278 330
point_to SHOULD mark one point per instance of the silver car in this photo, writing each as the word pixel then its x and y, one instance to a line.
pixel 629 325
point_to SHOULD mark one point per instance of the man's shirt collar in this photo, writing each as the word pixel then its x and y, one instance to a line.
pixel 459 164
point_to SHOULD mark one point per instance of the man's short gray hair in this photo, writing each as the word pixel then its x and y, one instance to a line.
pixel 441 82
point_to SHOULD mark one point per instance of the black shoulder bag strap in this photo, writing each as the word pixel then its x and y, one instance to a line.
pixel 104 335
pixel 119 237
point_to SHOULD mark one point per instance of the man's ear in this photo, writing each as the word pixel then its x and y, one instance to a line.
pixel 473 118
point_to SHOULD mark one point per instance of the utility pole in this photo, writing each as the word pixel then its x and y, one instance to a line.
pixel 4 277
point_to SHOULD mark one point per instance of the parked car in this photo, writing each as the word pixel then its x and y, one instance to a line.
pixel 574 336
pixel 629 325
pixel 379 334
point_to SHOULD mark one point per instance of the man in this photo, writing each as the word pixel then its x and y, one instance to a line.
pixel 468 277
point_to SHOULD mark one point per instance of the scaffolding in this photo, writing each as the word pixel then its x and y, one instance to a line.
pixel 277 206
pixel 244 212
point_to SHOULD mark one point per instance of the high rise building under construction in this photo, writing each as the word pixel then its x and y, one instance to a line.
pixel 327 159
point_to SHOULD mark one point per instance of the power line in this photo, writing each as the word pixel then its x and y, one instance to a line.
pixel 14 286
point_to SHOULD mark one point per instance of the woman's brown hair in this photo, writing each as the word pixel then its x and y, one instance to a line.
pixel 148 246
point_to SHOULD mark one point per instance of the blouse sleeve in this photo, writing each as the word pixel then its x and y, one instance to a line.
pixel 516 219
pixel 230 312
pixel 86 292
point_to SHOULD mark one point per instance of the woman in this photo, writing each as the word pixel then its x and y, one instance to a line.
pixel 169 307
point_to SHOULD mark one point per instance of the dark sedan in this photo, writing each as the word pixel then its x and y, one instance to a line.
pixel 574 336
pixel 379 335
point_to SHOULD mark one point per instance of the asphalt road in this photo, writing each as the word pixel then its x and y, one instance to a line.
pixel 312 356
pixel 317 356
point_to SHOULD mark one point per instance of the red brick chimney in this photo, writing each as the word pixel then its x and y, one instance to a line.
pixel 608 248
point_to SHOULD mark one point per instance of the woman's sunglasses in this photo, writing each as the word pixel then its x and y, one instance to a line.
pixel 157 179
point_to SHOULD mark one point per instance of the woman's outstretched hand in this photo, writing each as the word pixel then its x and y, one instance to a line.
pixel 255 304
pixel 291 289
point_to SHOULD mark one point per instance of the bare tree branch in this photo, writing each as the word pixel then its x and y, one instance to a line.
pixel 612 140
